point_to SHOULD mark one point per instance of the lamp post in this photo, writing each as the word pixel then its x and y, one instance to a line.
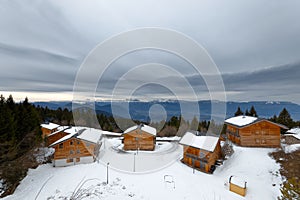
pixel 107 172
pixel 134 162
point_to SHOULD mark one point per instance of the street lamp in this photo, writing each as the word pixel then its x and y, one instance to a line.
pixel 107 172
pixel 134 162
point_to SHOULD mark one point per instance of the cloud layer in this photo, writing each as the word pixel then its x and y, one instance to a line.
pixel 255 44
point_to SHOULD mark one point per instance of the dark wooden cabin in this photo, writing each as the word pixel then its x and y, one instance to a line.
pixel 201 152
pixel 253 132
pixel 140 137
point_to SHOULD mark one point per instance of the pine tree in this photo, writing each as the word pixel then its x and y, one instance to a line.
pixel 238 112
pixel 253 112
pixel 285 118
pixel 247 113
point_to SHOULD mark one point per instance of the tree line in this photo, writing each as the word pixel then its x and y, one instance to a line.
pixel 283 118
pixel 20 120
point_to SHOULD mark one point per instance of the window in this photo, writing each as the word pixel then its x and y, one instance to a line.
pixel 69 160
pixel 257 141
pixel 77 159
pixel 78 142
pixel 78 151
pixel 61 146
pixel 71 142
pixel 71 152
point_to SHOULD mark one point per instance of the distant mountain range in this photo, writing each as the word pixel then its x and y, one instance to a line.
pixel 139 110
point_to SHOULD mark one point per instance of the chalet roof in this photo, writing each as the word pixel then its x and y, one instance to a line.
pixel 91 135
pixel 60 129
pixel 294 132
pixel 237 181
pixel 243 121
pixel 143 127
pixel 50 126
pixel 72 132
pixel 83 133
pixel 207 143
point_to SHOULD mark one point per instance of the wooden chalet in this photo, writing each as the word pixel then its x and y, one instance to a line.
pixel 237 185
pixel 201 152
pixel 253 132
pixel 61 132
pixel 140 137
pixel 48 128
pixel 292 136
pixel 81 145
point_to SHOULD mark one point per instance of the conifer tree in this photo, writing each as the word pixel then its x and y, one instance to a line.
pixel 253 112
pixel 238 112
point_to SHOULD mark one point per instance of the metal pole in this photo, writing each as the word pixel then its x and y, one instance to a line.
pixel 107 172
pixel 134 162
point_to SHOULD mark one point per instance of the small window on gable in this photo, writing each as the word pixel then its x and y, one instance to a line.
pixel 61 146
pixel 71 152
pixel 71 142
pixel 78 142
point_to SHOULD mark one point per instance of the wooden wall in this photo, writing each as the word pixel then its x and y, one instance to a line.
pixel 260 134
pixel 138 139
pixel 74 148
pixel 194 157
pixel 53 138
pixel 46 132
pixel 236 189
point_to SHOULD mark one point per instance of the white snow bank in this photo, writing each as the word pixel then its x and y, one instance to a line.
pixel 290 148
pixel 294 132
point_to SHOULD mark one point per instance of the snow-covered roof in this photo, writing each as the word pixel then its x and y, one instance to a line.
pixel 207 143
pixel 84 133
pixel 60 129
pixel 241 120
pixel 143 127
pixel 50 126
pixel 238 181
pixel 294 132
pixel 91 135
pixel 111 133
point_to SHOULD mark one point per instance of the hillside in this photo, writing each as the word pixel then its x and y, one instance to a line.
pixel 263 180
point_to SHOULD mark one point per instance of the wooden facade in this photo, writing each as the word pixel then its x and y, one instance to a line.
pixel 74 149
pixel 261 133
pixel 49 128
pixel 139 137
pixel 54 137
pixel 237 186
pixel 201 159
pixel 79 145
pixel 201 152
pixel 139 140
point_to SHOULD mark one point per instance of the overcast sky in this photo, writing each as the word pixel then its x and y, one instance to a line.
pixel 255 45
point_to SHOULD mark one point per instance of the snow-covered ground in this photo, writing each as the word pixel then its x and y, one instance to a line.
pixel 290 148
pixel 251 164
